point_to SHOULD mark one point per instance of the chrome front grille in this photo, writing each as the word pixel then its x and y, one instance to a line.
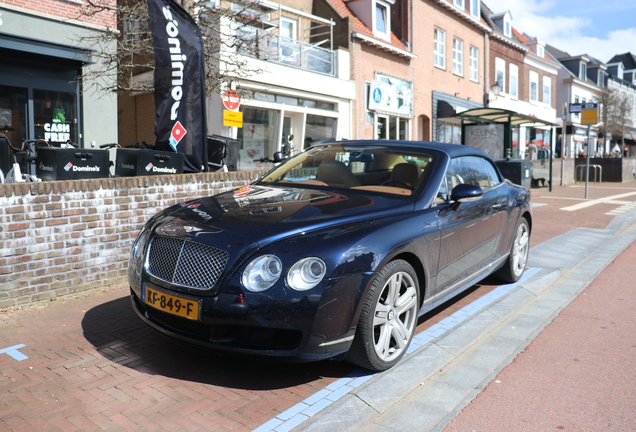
pixel 186 263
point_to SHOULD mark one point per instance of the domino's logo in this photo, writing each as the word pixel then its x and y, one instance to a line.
pixel 176 134
pixel 149 166
pixel 68 166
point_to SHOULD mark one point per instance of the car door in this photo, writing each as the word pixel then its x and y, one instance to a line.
pixel 469 234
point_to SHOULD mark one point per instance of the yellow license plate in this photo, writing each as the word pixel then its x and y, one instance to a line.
pixel 171 304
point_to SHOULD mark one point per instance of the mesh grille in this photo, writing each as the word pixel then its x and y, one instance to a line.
pixel 186 263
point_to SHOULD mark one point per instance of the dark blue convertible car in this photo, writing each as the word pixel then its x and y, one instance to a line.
pixel 335 252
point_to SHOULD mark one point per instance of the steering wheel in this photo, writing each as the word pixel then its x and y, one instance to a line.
pixel 402 183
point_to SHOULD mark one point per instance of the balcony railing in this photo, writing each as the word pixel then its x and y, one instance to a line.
pixel 278 49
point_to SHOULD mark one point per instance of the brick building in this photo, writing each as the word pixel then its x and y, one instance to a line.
pixel 46 46
pixel 523 79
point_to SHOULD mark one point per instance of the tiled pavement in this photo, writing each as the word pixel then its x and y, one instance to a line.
pixel 92 364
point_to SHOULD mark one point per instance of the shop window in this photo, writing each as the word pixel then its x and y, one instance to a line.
pixel 55 116
pixel 309 103
pixel 319 127
pixel 448 132
pixel 258 136
pixel 391 127
pixel 13 113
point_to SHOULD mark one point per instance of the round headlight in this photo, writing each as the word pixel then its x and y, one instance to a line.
pixel 262 273
pixel 306 273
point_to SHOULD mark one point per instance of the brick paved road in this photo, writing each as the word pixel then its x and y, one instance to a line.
pixel 93 365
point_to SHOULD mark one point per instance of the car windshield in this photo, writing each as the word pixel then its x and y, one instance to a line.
pixel 382 169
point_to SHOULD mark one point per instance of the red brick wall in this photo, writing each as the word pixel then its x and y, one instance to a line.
pixel 429 15
pixel 510 55
pixel 369 61
pixel 63 237
pixel 66 9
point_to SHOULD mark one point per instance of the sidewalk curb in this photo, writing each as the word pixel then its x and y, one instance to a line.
pixel 484 344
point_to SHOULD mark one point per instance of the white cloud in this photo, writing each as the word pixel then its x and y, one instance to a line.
pixel 581 34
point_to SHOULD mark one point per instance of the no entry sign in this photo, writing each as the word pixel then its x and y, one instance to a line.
pixel 231 100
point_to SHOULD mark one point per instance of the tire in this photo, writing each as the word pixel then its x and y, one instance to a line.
pixel 388 318
pixel 515 265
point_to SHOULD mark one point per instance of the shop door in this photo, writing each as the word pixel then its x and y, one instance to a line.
pixel 292 131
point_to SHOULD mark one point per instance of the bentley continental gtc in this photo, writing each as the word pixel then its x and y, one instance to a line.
pixel 335 252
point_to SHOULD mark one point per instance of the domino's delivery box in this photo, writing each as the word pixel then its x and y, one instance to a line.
pixel 54 163
pixel 142 162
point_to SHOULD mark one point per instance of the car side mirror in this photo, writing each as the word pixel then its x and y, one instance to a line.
pixel 465 193
pixel 279 157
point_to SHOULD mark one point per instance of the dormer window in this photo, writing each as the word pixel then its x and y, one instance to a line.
pixel 540 51
pixel 475 8
pixel 459 4
pixel 507 28
pixel 381 22
pixel 583 72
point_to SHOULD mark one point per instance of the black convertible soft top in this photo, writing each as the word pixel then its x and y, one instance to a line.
pixel 453 150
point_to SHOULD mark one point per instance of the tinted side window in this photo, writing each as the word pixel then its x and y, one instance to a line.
pixel 472 170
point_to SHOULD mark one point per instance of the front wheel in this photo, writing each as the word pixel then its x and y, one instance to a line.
pixel 515 265
pixel 388 318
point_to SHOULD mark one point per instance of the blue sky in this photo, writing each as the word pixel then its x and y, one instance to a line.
pixel 600 28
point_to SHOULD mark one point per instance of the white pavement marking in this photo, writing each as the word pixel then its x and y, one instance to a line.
pixel 13 352
pixel 287 420
pixel 606 200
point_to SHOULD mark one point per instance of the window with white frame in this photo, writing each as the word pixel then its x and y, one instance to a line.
pixel 547 90
pixel 475 8
pixel 514 81
pixel 439 48
pixel 507 28
pixel 459 4
pixel 583 72
pixel 534 86
pixel 474 64
pixel 381 22
pixel 288 28
pixel 458 57
pixel 500 73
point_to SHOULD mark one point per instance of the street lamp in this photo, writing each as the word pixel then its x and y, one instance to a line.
pixel 496 89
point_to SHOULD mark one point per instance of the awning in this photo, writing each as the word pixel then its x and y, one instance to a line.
pixel 498 115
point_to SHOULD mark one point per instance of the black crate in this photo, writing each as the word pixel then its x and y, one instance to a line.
pixel 140 162
pixel 70 164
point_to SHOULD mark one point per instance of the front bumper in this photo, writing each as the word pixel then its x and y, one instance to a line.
pixel 301 326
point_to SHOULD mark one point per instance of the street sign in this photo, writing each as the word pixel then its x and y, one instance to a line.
pixel 232 118
pixel 231 100
pixel 589 113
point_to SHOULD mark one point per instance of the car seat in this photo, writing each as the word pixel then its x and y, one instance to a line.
pixel 336 173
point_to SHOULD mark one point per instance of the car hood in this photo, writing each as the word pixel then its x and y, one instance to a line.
pixel 260 215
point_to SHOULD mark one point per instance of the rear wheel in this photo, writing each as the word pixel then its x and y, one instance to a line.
pixel 388 318
pixel 516 263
